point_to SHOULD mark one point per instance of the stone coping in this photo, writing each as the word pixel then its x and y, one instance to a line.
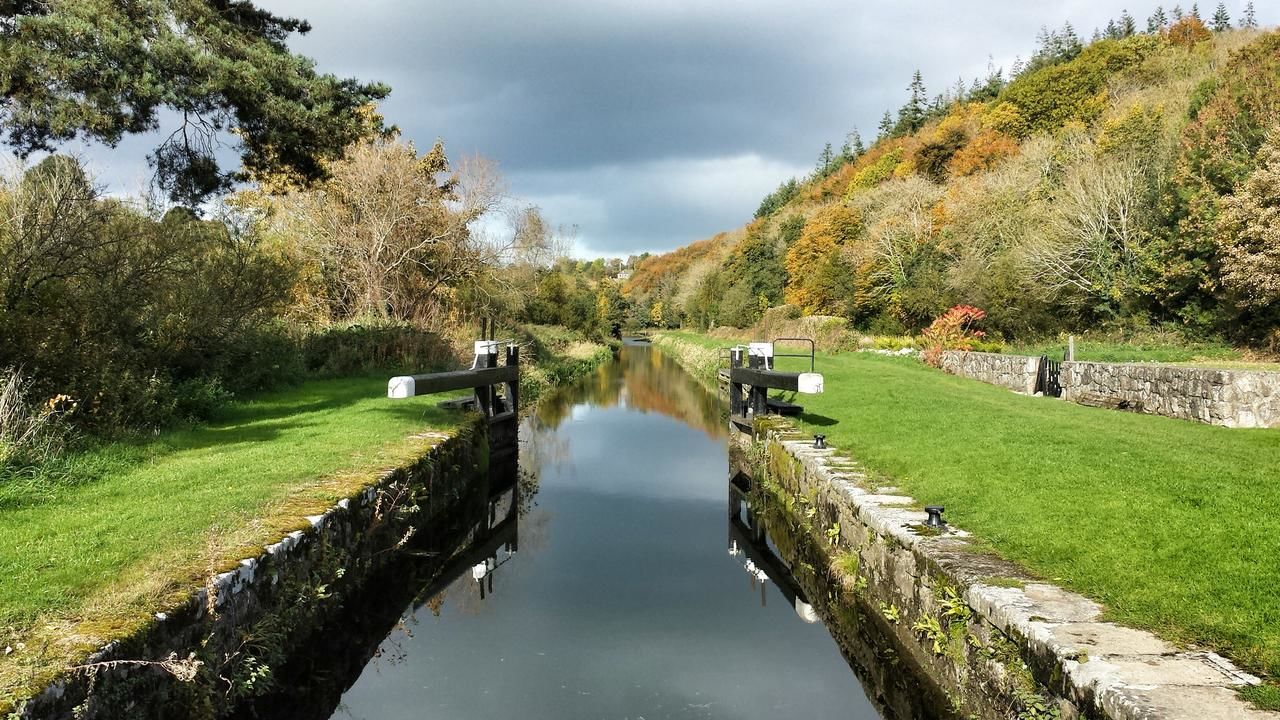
pixel 1105 669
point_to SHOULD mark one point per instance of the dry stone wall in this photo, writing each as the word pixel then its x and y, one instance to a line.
pixel 1016 372
pixel 1233 398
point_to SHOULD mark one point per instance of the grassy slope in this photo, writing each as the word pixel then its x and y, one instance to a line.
pixel 87 563
pixel 1175 526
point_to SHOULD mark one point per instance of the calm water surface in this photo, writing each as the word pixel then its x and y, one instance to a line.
pixel 620 598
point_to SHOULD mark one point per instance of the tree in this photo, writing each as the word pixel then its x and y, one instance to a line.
pixel 1157 21
pixel 1221 19
pixel 1113 31
pixel 1128 26
pixel 885 127
pixel 1249 234
pixel 1188 31
pixel 389 234
pixel 1248 19
pixel 100 70
pixel 856 148
pixel 825 160
pixel 912 114
pixel 1177 14
pixel 1195 11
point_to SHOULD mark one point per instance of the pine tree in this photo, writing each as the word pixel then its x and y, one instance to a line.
pixel 886 126
pixel 1177 14
pixel 911 116
pixel 1128 26
pixel 1113 31
pixel 1195 11
pixel 1157 21
pixel 854 141
pixel 1248 20
pixel 1097 35
pixel 1071 45
pixel 1221 20
pixel 825 159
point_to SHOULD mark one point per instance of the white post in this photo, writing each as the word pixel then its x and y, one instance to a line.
pixel 1071 347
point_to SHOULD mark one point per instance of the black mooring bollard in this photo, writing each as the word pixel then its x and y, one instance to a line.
pixel 820 442
pixel 935 516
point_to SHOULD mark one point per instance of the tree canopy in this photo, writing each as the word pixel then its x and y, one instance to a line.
pixel 102 69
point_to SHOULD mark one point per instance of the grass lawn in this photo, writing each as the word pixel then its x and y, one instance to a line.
pixel 1173 525
pixel 1150 350
pixel 97 558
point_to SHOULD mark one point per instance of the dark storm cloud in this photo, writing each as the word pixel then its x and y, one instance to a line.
pixel 651 124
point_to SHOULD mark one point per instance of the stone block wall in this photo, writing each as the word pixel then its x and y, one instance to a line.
pixel 1232 398
pixel 1016 372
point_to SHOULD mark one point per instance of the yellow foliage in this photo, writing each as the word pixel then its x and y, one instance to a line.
pixel 830 228
pixel 876 171
pixel 1137 130
pixel 1005 118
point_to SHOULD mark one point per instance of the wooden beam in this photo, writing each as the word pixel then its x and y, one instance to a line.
pixel 456 380
pixel 766 378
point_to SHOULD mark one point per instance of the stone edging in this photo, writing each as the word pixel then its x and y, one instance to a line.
pixel 359 528
pixel 1093 668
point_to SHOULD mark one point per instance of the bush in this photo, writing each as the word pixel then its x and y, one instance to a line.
pixel 356 349
pixel 956 329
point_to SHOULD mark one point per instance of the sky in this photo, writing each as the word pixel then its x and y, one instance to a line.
pixel 649 124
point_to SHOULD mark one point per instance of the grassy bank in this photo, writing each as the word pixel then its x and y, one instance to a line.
pixel 1172 525
pixel 139 525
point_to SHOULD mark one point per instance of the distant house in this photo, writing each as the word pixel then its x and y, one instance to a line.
pixel 624 275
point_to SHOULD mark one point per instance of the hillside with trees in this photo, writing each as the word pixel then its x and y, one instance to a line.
pixel 1129 180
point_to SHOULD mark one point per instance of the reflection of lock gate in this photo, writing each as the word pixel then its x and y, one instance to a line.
pixel 749 539
pixel 753 367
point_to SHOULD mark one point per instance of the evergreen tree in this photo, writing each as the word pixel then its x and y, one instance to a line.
pixel 1097 35
pixel 1248 20
pixel 1157 21
pixel 144 59
pixel 1177 14
pixel 911 116
pixel 1113 31
pixel 854 141
pixel 825 160
pixel 1221 20
pixel 886 126
pixel 958 92
pixel 1195 11
pixel 1128 26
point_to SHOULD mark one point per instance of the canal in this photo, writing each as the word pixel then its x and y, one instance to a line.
pixel 621 576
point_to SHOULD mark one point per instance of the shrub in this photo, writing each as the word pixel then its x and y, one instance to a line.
pixel 956 329
pixel 1187 32
pixel 876 172
pixel 984 152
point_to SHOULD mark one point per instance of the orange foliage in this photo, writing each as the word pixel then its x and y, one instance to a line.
pixel 983 152
pixel 824 233
pixel 1187 32
pixel 653 269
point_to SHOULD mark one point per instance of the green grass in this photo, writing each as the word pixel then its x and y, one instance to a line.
pixel 1149 350
pixel 1173 525
pixel 96 557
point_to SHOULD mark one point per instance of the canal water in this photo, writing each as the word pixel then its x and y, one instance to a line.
pixel 622 577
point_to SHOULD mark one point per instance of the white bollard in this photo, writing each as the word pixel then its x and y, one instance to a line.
pixel 401 387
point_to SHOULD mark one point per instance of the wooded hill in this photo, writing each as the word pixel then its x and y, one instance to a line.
pixel 1132 180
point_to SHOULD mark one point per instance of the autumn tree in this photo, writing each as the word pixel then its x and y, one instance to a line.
pixel 102 70
pixel 389 229
pixel 1188 32
pixel 1248 235
pixel 810 257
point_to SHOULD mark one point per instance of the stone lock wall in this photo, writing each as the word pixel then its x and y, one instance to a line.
pixel 993 640
pixel 341 547
pixel 1016 372
pixel 1232 398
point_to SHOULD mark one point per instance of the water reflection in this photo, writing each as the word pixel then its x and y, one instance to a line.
pixel 596 585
